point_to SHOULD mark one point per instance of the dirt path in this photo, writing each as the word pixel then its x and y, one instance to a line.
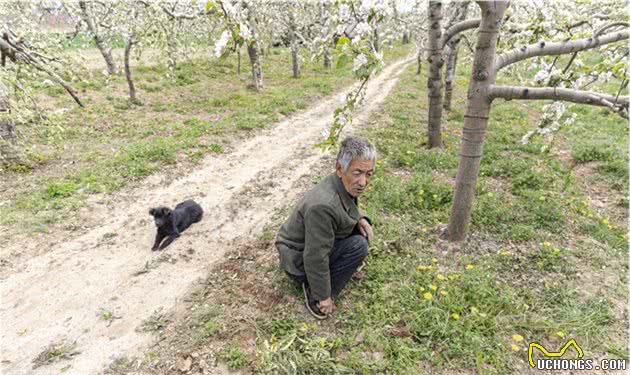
pixel 58 295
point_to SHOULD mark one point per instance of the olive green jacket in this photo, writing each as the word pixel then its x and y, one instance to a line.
pixel 326 213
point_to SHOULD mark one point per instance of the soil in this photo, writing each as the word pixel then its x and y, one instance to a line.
pixel 63 291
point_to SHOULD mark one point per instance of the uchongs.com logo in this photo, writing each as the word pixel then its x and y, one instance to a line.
pixel 554 360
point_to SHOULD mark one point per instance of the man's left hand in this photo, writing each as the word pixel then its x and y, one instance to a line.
pixel 365 228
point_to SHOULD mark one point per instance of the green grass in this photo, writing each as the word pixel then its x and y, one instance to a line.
pixel 195 112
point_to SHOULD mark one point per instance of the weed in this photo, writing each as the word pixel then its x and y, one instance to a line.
pixel 234 357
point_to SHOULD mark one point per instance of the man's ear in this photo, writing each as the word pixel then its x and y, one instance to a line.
pixel 152 212
pixel 338 168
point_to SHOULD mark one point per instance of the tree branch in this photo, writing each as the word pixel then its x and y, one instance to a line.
pixel 609 26
pixel 458 28
pixel 618 104
pixel 557 48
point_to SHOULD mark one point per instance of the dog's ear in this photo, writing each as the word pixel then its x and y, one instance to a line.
pixel 152 212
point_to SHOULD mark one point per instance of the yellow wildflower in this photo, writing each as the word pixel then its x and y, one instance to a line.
pixel 455 316
pixel 433 287
pixel 424 268
pixel 517 338
pixel 444 292
pixel 428 296
pixel 560 333
pixel 441 277
pixel 515 348
pixel 470 267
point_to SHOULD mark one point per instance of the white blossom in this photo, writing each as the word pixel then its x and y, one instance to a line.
pixel 359 62
pixel 221 43
pixel 244 32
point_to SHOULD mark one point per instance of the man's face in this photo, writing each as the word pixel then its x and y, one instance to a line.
pixel 355 179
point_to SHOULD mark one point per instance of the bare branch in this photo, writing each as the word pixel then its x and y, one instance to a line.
pixel 458 28
pixel 618 104
pixel 172 14
pixel 609 26
pixel 557 48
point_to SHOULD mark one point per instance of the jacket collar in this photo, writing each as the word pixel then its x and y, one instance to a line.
pixel 347 200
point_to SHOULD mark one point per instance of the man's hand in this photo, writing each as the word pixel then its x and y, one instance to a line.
pixel 365 228
pixel 327 306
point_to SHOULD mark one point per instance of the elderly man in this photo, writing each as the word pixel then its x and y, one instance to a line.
pixel 325 239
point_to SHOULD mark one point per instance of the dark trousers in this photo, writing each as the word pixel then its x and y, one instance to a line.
pixel 346 256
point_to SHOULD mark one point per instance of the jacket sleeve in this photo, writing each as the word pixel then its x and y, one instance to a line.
pixel 319 225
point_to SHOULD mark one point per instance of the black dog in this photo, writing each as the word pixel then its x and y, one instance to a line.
pixel 171 223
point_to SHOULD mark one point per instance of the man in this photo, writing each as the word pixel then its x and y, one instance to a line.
pixel 325 239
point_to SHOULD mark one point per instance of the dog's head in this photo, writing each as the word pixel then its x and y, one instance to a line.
pixel 161 215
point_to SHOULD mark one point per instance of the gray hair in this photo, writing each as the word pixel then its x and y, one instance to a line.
pixel 355 148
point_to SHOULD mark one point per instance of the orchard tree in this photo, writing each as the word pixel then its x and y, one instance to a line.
pixel 96 15
pixel 438 40
pixel 241 27
pixel 483 90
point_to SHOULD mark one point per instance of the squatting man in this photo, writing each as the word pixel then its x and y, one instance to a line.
pixel 325 239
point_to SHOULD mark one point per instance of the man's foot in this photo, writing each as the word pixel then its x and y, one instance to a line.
pixel 311 305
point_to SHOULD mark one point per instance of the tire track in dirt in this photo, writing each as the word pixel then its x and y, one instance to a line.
pixel 59 294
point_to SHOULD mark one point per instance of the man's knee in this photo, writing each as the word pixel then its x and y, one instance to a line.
pixel 359 246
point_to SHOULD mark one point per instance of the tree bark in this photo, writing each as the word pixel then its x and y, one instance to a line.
pixel 295 57
pixel 557 48
pixel 254 60
pixel 327 59
pixel 238 60
pixel 9 152
pixel 405 39
pixel 131 41
pixel 451 58
pixel 476 118
pixel 434 81
pixel 253 49
pixel 88 17
pixel 451 63
pixel 555 93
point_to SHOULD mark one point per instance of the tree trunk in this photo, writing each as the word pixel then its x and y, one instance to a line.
pixel 253 49
pixel 254 59
pixel 327 59
pixel 295 56
pixel 323 16
pixel 451 63
pixel 88 17
pixel 419 58
pixel 476 118
pixel 132 89
pixel 405 39
pixel 451 59
pixel 9 152
pixel 376 39
pixel 434 81
pixel 171 45
pixel 238 60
